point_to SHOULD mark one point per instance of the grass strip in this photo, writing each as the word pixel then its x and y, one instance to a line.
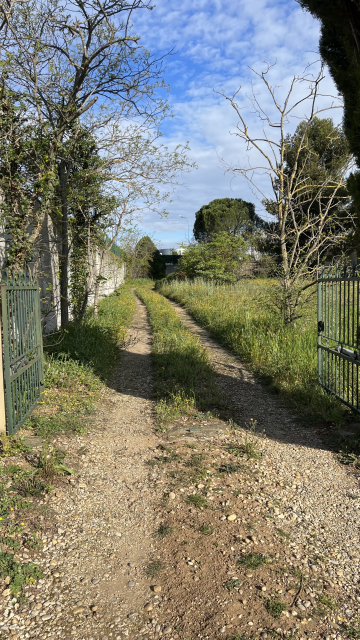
pixel 78 362
pixel 183 373
pixel 243 317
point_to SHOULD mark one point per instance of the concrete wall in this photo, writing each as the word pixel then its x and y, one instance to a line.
pixel 48 268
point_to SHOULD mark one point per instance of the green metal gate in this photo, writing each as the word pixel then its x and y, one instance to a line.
pixel 22 344
pixel 339 332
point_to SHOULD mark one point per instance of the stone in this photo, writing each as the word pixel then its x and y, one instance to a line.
pixel 94 607
pixel 95 580
pixel 167 630
pixel 131 583
pixel 232 517
pixel 156 588
pixel 157 628
pixel 172 495
pixel 118 534
pixel 148 607
pixel 222 630
pixel 7 580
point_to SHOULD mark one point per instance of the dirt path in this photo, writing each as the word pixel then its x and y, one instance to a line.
pixel 99 528
pixel 296 506
pixel 239 536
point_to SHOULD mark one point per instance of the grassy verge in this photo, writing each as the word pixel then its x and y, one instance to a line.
pixel 77 364
pixel 242 317
pixel 184 377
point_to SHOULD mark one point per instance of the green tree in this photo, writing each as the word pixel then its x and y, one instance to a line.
pixel 218 260
pixel 340 49
pixel 147 261
pixel 231 215
pixel 324 152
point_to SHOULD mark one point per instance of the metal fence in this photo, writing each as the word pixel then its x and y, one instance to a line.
pixel 339 332
pixel 22 344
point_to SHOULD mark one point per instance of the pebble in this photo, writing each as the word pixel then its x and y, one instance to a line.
pixel 232 517
pixel 95 580
pixel 156 588
pixel 148 607
pixel 131 583
pixel 222 630
pixel 172 495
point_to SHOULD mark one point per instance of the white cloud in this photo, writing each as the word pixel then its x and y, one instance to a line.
pixel 215 41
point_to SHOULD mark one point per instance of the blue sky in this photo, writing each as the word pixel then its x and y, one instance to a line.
pixel 214 43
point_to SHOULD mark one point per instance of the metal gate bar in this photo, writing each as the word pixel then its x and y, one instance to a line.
pixel 22 343
pixel 339 332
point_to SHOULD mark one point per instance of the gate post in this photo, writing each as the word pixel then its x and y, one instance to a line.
pixel 2 387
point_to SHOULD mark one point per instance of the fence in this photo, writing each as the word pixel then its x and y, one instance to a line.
pixel 22 349
pixel 339 332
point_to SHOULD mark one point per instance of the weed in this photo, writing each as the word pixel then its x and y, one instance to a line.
pixel 351 632
pixel 198 501
pixel 152 462
pixel 282 533
pixel 234 583
pixel 275 607
pixel 195 460
pixel 229 468
pixel 153 569
pixel 10 542
pixel 51 462
pixel 206 529
pixel 327 602
pixel 185 542
pixel 32 486
pixel 253 560
pixel 163 530
pixel 19 573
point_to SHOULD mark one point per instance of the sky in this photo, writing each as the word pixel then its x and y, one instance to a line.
pixel 213 44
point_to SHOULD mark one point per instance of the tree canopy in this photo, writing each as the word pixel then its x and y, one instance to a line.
pixel 340 49
pixel 230 215
pixel 218 259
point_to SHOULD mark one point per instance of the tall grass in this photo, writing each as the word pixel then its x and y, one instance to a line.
pixel 243 317
pixel 183 373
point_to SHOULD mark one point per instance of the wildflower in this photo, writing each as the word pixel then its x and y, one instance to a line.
pixel 22 524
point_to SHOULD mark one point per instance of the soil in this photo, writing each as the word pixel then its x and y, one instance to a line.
pixel 213 529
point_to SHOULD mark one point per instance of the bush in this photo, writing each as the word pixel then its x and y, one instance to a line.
pixel 218 260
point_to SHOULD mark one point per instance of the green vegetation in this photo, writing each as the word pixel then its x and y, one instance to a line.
pixel 184 377
pixel 243 318
pixel 234 583
pixel 206 529
pixel 163 530
pixel 19 574
pixel 233 216
pixel 197 501
pixel 275 607
pixel 153 569
pixel 78 362
pixel 219 259
pixel 253 560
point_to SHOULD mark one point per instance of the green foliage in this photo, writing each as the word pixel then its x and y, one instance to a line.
pixel 275 607
pixel 242 319
pixel 84 355
pixel 253 560
pixel 232 216
pixel 19 574
pixel 146 261
pixel 153 569
pixel 339 49
pixel 232 584
pixel 218 260
pixel 206 529
pixel 197 501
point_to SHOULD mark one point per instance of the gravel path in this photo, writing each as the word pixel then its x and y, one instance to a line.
pixel 99 525
pixel 98 529
pixel 305 486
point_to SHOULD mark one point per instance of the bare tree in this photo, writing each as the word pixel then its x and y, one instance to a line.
pixel 310 217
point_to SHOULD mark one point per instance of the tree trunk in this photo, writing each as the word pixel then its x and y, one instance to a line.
pixel 97 283
pixel 64 245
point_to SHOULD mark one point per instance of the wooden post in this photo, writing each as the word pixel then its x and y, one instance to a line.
pixel 2 388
